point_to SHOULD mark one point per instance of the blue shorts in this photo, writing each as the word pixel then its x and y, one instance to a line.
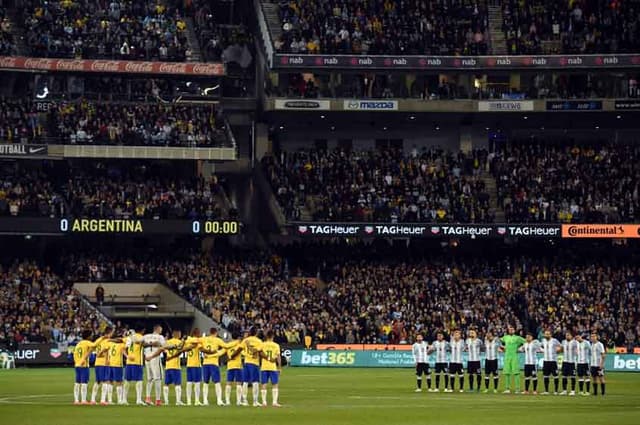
pixel 102 374
pixel 210 373
pixel 133 372
pixel 173 377
pixel 194 374
pixel 115 373
pixel 251 373
pixel 82 375
pixel 269 375
pixel 235 375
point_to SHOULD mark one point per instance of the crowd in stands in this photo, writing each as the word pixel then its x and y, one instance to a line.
pixel 84 122
pixel 381 185
pixel 37 305
pixel 108 190
pixel 7 43
pixel 435 27
pixel 136 30
pixel 387 301
pixel 571 26
pixel 546 182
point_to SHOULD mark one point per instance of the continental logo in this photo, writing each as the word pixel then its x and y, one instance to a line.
pixel 600 231
pixel 85 225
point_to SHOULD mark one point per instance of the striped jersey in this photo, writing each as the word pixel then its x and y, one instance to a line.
pixel 419 350
pixel 550 349
pixel 570 351
pixel 474 346
pixel 491 348
pixel 597 350
pixel 584 352
pixel 530 349
pixel 457 347
pixel 440 348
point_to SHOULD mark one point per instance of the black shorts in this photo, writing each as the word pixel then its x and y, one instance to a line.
pixel 455 368
pixel 491 367
pixel 422 368
pixel 550 368
pixel 442 368
pixel 596 372
pixel 583 369
pixel 568 369
pixel 474 368
pixel 530 370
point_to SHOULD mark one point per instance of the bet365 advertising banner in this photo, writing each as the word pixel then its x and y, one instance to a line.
pixel 317 358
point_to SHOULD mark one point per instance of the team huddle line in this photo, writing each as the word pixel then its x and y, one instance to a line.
pixel 249 361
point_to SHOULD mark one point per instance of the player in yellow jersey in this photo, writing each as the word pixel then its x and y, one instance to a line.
pixel 234 370
pixel 270 368
pixel 133 369
pixel 103 380
pixel 173 372
pixel 194 369
pixel 81 361
pixel 213 347
pixel 115 362
pixel 251 348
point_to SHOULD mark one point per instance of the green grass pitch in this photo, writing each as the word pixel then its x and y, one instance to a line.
pixel 324 396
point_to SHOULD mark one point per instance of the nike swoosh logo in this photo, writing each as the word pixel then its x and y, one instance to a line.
pixel 35 150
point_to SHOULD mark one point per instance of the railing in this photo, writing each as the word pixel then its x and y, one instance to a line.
pixel 264 30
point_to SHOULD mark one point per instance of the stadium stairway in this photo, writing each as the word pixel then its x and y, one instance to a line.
pixel 492 190
pixel 498 41
pixel 194 42
pixel 272 17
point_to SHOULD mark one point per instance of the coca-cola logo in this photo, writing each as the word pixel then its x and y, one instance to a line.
pixel 139 67
pixel 38 63
pixel 105 66
pixel 172 68
pixel 67 65
pixel 7 62
pixel 204 69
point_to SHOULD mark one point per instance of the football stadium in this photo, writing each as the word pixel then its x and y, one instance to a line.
pixel 315 212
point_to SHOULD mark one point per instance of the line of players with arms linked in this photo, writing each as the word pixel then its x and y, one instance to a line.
pixel 121 361
pixel 581 358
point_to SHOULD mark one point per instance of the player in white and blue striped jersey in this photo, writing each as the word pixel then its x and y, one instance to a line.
pixel 491 348
pixel 440 347
pixel 584 355
pixel 550 348
pixel 421 360
pixel 455 362
pixel 473 346
pixel 597 363
pixel 530 349
pixel 569 359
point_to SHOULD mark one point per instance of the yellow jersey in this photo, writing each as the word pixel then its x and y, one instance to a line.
pixel 251 347
pixel 212 343
pixel 175 362
pixel 233 347
pixel 272 351
pixel 134 350
pixel 193 355
pixel 101 343
pixel 116 352
pixel 82 348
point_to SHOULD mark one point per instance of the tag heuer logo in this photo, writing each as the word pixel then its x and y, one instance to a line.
pixel 435 230
pixel 353 104
pixel 368 230
pixel 502 230
pixel 302 229
pixel 55 353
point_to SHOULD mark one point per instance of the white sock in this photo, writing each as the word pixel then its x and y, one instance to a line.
pixel 205 393
pixel 189 387
pixel 196 387
pixel 255 389
pixel 238 394
pixel 83 392
pixel 94 392
pixel 264 396
pixel 227 394
pixel 218 387
pixel 274 395
pixel 165 393
pixel 178 393
pixel 148 389
pixel 109 393
pixel 125 392
pixel 76 393
pixel 119 393
pixel 158 387
pixel 245 391
pixel 103 393
pixel 138 391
